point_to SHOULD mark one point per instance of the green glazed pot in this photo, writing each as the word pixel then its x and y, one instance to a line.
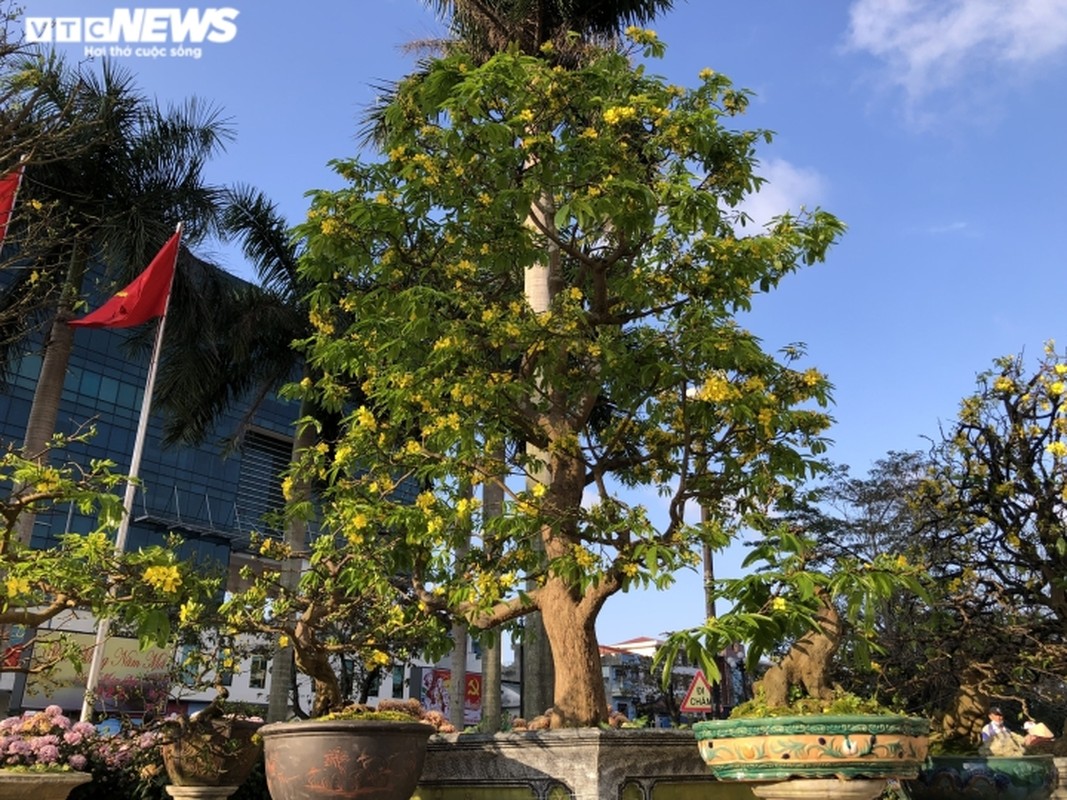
pixel 843 746
pixel 955 777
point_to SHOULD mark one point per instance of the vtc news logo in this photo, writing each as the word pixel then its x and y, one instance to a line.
pixel 118 34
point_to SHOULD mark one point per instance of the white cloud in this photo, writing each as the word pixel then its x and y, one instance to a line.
pixel 931 44
pixel 948 228
pixel 787 188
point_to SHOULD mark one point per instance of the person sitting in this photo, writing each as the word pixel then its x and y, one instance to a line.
pixel 998 739
pixel 995 727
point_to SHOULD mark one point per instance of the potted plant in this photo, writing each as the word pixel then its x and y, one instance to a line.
pixel 345 607
pixel 799 725
pixel 1006 765
pixel 607 187
pixel 369 753
pixel 217 746
pixel 523 312
pixel 43 755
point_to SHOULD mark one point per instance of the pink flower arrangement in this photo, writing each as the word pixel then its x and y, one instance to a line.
pixel 46 740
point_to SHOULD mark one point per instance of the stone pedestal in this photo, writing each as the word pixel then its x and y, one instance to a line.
pixel 820 789
pixel 201 792
pixel 586 763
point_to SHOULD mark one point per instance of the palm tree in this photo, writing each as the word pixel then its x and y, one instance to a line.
pixel 241 354
pixel 115 197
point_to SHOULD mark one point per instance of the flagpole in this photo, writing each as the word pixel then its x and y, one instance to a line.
pixel 104 624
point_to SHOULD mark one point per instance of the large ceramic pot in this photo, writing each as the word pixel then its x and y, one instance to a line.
pixel 16 785
pixel 222 752
pixel 842 746
pixel 344 759
pixel 957 777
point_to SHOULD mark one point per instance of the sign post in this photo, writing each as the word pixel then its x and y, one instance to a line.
pixel 698 698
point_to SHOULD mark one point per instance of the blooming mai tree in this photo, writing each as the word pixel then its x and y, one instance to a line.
pixel 637 376
pixel 150 592
pixel 996 497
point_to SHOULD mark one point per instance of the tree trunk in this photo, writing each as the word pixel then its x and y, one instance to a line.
pixel 457 683
pixel 281 674
pixel 538 673
pixel 491 683
pixel 48 392
pixel 579 700
pixel 493 506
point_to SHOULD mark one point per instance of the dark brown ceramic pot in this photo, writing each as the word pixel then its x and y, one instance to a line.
pixel 222 752
pixel 344 759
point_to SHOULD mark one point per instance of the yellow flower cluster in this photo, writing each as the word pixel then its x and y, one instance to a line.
pixel 618 114
pixel 166 579
pixel 641 35
pixel 1003 384
pixel 584 558
pixel 17 587
pixel 189 612
pixel 365 418
pixel 716 389
pixel 322 324
pixel 1057 449
pixel 377 659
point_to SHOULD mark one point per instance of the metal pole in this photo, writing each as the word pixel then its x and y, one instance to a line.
pixel 104 624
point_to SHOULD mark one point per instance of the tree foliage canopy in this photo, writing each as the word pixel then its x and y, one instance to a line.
pixel 636 376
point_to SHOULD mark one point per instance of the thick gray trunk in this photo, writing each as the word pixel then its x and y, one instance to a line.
pixel 457 684
pixel 281 673
pixel 48 392
pixel 493 507
pixel 491 683
pixel 538 677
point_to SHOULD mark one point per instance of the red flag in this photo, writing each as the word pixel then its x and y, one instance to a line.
pixel 9 187
pixel 142 300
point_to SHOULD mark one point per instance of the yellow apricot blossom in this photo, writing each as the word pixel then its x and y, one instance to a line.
pixel 365 418
pixel 619 114
pixel 166 579
pixel 16 587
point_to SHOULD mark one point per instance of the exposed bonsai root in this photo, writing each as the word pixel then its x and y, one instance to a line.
pixel 807 664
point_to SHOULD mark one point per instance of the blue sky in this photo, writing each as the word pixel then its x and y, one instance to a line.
pixel 933 128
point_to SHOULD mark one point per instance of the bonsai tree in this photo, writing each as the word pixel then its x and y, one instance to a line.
pixel 635 377
pixel 148 592
pixel 818 609
pixel 346 605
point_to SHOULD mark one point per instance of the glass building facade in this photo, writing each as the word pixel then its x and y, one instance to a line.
pixel 213 498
